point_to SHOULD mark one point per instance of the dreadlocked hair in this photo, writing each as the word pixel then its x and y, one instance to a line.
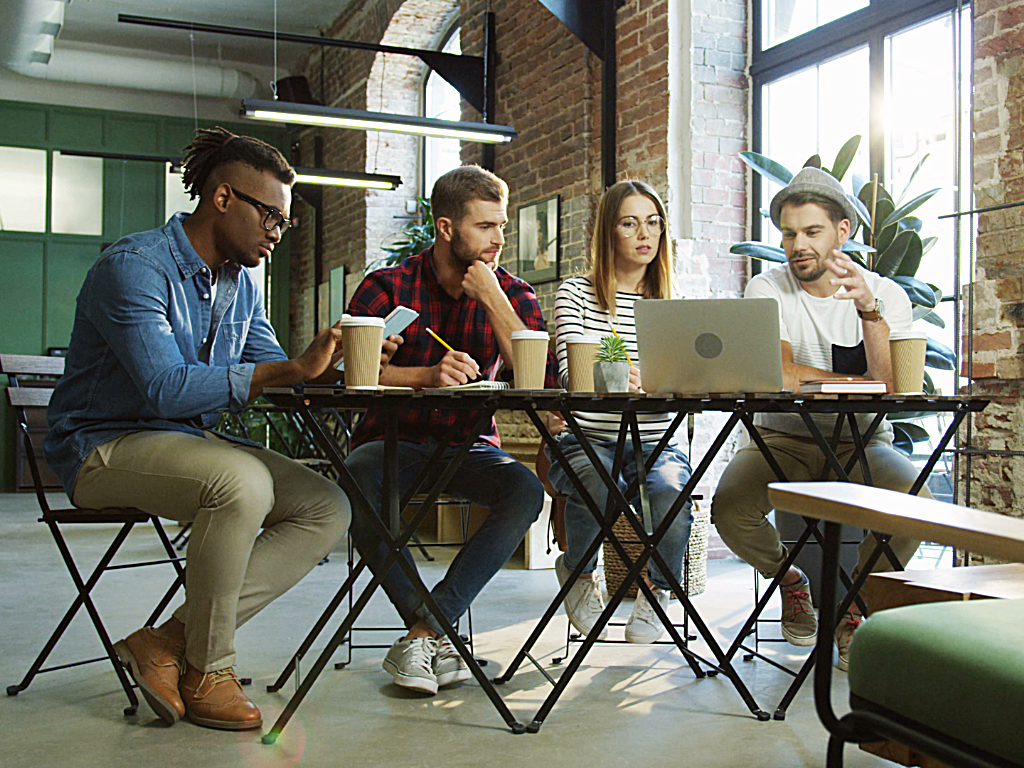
pixel 213 147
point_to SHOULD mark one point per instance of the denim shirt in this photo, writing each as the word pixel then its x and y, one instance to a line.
pixel 141 320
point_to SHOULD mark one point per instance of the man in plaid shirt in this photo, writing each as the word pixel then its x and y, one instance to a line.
pixel 474 305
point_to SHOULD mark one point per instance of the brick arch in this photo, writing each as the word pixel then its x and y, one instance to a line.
pixel 395 84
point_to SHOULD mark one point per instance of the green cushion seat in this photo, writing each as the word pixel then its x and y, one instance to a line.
pixel 957 667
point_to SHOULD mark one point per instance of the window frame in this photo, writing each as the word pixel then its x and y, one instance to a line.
pixel 453 29
pixel 868 26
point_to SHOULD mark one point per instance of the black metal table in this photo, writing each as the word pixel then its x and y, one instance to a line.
pixel 477 407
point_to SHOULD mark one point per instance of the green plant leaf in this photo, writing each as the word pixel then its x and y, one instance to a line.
pixel 814 161
pixel 889 262
pixel 929 315
pixel 929 243
pixel 852 246
pixel 767 167
pixel 911 222
pixel 929 384
pixel 865 214
pixel 912 256
pixel 917 433
pixel 939 356
pixel 858 182
pixel 907 208
pixel 756 250
pixel 919 292
pixel 845 157
pixel 612 350
pixel 901 441
pixel 913 175
pixel 866 193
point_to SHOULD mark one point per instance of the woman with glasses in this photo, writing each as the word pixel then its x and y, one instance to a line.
pixel 630 258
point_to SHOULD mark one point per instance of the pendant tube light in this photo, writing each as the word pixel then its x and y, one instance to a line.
pixel 346 179
pixel 335 117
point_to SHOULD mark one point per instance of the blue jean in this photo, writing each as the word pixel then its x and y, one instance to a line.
pixel 488 477
pixel 664 482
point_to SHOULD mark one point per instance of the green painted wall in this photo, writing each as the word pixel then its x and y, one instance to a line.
pixel 41 273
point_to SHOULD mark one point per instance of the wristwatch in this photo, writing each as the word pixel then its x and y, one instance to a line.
pixel 874 315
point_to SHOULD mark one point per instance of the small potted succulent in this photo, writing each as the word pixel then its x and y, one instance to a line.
pixel 611 366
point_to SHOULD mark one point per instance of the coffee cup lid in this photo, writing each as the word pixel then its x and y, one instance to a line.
pixel 583 339
pixel 905 335
pixel 362 321
pixel 530 335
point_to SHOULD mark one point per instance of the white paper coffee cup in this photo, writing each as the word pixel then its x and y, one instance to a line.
pixel 529 358
pixel 361 340
pixel 907 350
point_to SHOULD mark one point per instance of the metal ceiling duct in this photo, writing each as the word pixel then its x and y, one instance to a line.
pixel 27 38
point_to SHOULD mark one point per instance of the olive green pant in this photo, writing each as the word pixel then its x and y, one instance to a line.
pixel 228 492
pixel 740 506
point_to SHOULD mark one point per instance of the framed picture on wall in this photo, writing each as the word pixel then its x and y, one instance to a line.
pixel 538 236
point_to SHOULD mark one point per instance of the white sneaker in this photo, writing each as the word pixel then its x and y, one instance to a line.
pixel 449 667
pixel 644 626
pixel 410 663
pixel 584 602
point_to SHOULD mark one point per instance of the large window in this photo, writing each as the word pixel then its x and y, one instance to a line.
pixel 896 72
pixel 441 100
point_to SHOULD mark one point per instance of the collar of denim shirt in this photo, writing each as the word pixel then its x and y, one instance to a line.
pixel 185 256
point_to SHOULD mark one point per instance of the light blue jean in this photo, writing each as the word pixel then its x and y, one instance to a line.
pixel 664 482
pixel 489 477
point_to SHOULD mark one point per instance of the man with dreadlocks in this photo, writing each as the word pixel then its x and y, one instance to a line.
pixel 170 331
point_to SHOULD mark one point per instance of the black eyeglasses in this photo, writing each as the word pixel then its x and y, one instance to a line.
pixel 274 218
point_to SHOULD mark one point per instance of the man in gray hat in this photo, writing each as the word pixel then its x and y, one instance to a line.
pixel 835 319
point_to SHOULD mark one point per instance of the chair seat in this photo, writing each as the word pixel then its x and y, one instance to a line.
pixel 956 667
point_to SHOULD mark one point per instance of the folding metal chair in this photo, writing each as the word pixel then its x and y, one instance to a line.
pixel 21 398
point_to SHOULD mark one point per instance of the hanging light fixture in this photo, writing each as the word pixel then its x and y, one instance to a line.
pixel 335 117
pixel 346 179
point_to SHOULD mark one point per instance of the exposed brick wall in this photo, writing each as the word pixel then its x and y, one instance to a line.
pixel 996 482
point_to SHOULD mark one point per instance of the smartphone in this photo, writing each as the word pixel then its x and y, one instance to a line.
pixel 397 321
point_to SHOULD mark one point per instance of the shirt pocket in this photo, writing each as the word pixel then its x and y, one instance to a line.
pixel 232 337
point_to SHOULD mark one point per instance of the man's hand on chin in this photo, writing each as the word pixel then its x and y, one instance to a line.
pixel 480 280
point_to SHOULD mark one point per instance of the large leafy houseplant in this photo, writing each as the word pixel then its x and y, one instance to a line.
pixel 890 244
pixel 412 239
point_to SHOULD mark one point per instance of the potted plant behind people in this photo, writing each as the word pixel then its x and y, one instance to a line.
pixel 611 366
pixel 630 259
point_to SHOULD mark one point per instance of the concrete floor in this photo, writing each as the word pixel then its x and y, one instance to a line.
pixel 626 704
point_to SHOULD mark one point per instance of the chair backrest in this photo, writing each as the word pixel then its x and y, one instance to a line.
pixel 22 397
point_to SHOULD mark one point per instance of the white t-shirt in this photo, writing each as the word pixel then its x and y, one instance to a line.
pixel 826 334
pixel 578 313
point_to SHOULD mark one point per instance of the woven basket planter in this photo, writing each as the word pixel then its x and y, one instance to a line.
pixel 615 571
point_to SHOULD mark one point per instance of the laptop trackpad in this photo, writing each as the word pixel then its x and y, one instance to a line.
pixel 849 360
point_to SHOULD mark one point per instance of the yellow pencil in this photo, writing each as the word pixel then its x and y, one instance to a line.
pixel 440 340
pixel 623 345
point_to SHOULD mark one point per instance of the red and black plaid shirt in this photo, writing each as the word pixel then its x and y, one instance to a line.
pixel 461 322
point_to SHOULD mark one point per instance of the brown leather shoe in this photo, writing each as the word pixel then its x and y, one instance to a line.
pixel 215 699
pixel 155 663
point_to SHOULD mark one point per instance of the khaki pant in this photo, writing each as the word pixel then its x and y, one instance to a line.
pixel 740 504
pixel 228 492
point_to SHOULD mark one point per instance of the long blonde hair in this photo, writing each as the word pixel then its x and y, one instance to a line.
pixel 657 280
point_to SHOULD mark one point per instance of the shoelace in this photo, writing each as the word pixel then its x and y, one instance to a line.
pixel 850 624
pixel 644 609
pixel 594 601
pixel 422 652
pixel 445 648
pixel 220 675
pixel 799 602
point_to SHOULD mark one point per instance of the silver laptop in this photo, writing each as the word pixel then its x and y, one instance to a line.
pixel 699 346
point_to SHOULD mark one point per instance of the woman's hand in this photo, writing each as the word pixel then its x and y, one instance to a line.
pixel 634 378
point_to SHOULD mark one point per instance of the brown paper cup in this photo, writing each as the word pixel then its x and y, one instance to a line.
pixel 907 351
pixel 580 352
pixel 361 339
pixel 529 358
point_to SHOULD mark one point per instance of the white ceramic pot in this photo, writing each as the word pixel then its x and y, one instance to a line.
pixel 611 377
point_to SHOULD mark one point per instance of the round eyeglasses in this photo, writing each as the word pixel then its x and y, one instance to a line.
pixel 274 218
pixel 630 226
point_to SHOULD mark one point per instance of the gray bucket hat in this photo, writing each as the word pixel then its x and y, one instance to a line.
pixel 818 182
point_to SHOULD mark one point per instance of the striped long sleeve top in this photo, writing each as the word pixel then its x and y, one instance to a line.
pixel 578 313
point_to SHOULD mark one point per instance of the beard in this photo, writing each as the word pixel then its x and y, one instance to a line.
pixel 810 274
pixel 463 252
